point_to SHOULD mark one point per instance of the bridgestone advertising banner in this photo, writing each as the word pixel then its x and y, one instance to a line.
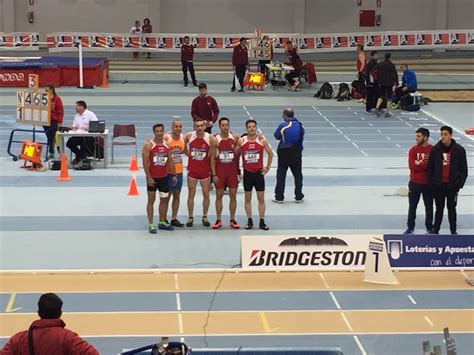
pixel 347 252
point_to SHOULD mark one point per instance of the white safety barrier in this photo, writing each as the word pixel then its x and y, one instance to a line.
pixel 307 43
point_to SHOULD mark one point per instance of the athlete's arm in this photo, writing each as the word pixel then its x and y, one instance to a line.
pixel 213 156
pixel 186 141
pixel 269 151
pixel 237 154
pixel 146 163
pixel 172 167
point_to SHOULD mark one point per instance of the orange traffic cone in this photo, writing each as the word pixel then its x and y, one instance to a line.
pixel 133 164
pixel 133 190
pixel 64 174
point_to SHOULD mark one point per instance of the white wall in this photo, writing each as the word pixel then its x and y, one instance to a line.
pixel 460 14
pixel 85 15
pixel 227 16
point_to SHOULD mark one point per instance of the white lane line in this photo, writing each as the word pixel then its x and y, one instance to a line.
pixel 180 323
pixel 370 124
pixel 362 118
pixel 176 116
pixel 398 145
pixel 324 280
pixel 379 131
pixel 338 306
pixel 176 283
pixel 355 113
pixel 388 137
pixel 349 326
pixel 359 345
pixel 465 275
pixel 446 124
pixel 178 302
pixel 429 321
pixel 340 131
pixel 245 108
pixel 411 299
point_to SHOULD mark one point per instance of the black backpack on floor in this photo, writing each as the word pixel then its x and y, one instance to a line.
pixel 325 91
pixel 344 92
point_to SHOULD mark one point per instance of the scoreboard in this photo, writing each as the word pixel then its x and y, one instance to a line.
pixel 33 107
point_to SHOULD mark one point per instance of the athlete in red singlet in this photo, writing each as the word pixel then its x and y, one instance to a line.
pixel 251 148
pixel 158 163
pixel 199 168
pixel 225 170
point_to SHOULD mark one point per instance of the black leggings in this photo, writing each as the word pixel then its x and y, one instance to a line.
pixel 293 74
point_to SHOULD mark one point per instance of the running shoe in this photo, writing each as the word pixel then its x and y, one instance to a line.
pixel 190 222
pixel 263 226
pixel 205 222
pixel 217 225
pixel 165 226
pixel 234 224
pixel 152 229
pixel 176 223
pixel 249 224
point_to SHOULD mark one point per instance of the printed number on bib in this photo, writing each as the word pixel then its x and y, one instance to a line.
pixel 226 157
pixel 198 154
pixel 252 157
pixel 160 160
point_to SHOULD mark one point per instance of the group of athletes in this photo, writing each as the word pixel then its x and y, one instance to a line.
pixel 212 159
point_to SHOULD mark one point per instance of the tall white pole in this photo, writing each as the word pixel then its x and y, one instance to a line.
pixel 81 69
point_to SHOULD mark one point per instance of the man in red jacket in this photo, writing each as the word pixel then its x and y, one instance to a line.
pixel 204 107
pixel 418 156
pixel 240 62
pixel 48 336
pixel 187 54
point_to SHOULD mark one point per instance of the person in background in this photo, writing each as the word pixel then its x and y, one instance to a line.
pixel 295 61
pixel 49 335
pixel 81 146
pixel 371 83
pixel 418 156
pixel 290 133
pixel 240 62
pixel 187 56
pixel 447 173
pixel 387 78
pixel 147 28
pixel 57 115
pixel 204 107
pixel 136 30
pixel 361 63
pixel 409 84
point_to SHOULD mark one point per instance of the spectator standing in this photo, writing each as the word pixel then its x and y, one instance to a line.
pixel 136 30
pixel 418 156
pixel 204 107
pixel 48 334
pixel 240 62
pixel 187 57
pixel 147 28
pixel 447 173
pixel 387 78
pixel 57 115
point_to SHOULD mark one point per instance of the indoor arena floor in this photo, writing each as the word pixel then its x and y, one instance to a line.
pixel 353 165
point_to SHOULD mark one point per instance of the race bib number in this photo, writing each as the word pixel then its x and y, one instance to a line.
pixel 226 157
pixel 197 154
pixel 252 158
pixel 178 156
pixel 160 160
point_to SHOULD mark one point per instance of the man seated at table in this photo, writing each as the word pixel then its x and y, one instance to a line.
pixel 295 61
pixel 409 84
pixel 82 147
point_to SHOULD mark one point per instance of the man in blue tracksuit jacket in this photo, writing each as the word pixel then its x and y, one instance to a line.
pixel 409 83
pixel 290 133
